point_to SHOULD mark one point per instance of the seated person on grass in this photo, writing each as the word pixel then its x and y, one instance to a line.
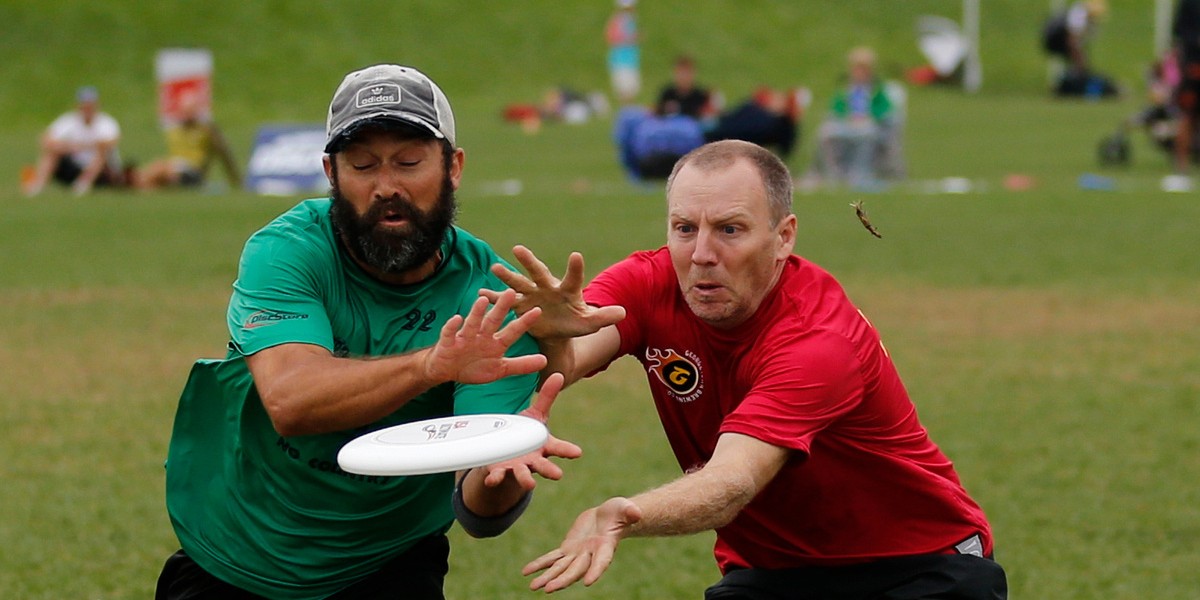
pixel 192 143
pixel 79 149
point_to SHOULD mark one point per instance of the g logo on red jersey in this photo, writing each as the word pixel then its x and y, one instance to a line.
pixel 678 373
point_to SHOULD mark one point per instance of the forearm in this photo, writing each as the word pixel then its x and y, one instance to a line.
pixel 92 170
pixel 320 394
pixel 699 501
pixel 487 501
pixel 560 358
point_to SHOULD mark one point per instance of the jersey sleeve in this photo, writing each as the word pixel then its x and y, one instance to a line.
pixel 276 298
pixel 802 385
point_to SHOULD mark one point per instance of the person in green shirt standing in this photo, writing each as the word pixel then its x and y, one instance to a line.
pixel 350 314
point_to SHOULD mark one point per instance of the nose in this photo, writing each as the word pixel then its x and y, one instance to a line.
pixel 704 252
pixel 389 184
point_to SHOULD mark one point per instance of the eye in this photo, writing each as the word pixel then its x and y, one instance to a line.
pixel 684 228
pixel 729 229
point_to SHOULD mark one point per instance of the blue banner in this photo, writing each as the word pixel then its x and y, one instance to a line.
pixel 286 160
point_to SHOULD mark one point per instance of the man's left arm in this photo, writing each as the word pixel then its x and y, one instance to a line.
pixel 220 147
pixel 741 466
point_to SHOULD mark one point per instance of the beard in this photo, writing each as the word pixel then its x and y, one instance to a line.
pixel 388 250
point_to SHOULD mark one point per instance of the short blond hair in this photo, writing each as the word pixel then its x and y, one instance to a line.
pixel 776 179
pixel 862 55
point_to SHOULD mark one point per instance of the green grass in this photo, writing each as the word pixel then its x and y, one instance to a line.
pixel 1048 337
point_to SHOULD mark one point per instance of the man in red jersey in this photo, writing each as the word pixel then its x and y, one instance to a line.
pixel 799 443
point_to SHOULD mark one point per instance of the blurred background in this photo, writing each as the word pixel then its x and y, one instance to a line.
pixel 1040 299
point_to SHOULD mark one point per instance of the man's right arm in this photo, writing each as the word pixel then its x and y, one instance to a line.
pixel 306 390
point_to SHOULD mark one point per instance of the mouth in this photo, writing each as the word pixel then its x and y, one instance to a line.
pixel 707 288
pixel 393 219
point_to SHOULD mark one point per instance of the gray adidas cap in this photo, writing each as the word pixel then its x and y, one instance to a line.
pixel 387 92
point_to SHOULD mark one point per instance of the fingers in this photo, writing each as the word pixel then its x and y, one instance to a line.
pixel 523 365
pixel 475 317
pixel 607 315
pixel 537 462
pixel 518 326
pixel 561 448
pixel 574 572
pixel 540 409
pixel 520 471
pixel 512 279
pixel 600 562
pixel 538 271
pixel 542 562
pixel 491 295
pixel 449 330
pixel 494 318
pixel 549 580
pixel 572 281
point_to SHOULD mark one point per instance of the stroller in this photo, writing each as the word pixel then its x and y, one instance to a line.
pixel 1160 119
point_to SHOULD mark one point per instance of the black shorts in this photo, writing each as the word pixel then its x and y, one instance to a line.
pixel 66 171
pixel 190 178
pixel 418 573
pixel 942 576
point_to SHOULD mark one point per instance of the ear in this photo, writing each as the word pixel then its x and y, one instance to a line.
pixel 456 166
pixel 327 162
pixel 787 237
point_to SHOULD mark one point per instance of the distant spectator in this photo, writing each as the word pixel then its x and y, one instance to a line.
pixel 770 118
pixel 79 149
pixel 683 96
pixel 192 143
pixel 1067 35
pixel 648 144
pixel 559 104
pixel 859 124
pixel 1186 33
pixel 624 61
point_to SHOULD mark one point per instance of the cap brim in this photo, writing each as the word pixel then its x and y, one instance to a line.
pixel 338 141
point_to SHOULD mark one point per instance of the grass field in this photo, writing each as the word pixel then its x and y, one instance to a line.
pixel 1049 337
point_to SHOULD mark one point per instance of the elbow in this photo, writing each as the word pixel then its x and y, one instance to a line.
pixel 285 418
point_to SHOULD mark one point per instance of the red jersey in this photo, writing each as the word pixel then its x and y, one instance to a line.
pixel 807 372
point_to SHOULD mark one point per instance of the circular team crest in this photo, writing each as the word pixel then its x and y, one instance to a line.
pixel 679 373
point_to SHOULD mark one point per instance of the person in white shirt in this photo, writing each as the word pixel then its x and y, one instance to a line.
pixel 79 148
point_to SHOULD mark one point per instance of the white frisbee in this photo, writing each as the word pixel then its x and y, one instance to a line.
pixel 442 444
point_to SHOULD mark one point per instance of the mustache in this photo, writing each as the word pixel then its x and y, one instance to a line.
pixel 396 205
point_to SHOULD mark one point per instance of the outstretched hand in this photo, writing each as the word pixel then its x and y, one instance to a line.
pixel 564 313
pixel 588 548
pixel 523 467
pixel 471 349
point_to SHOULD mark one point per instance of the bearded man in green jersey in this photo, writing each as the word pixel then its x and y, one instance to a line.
pixel 349 314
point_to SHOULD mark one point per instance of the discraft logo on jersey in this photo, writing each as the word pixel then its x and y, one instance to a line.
pixel 269 317
pixel 679 372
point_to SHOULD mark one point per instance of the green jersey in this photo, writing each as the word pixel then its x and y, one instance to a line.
pixel 275 515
